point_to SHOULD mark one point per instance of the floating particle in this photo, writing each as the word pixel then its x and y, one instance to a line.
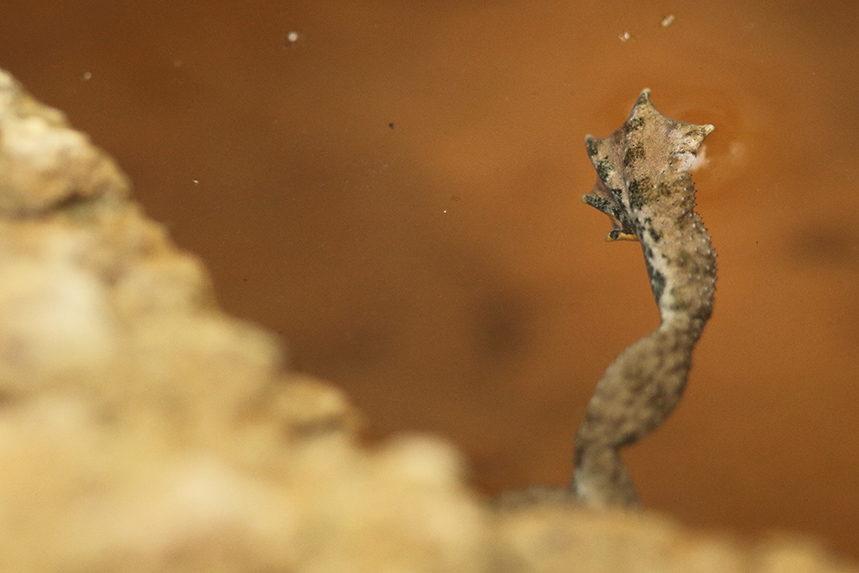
pixel 668 20
pixel 625 37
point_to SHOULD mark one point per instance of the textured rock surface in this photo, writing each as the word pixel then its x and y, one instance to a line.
pixel 143 430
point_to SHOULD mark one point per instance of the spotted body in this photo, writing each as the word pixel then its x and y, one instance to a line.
pixel 643 184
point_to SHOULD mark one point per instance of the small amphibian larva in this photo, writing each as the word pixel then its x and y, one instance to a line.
pixel 643 184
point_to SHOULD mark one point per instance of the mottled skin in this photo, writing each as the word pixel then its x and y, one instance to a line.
pixel 643 184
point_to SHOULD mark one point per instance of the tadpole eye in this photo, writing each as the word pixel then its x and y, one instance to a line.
pixel 619 235
pixel 619 232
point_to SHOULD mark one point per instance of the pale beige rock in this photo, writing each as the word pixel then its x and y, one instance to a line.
pixel 557 537
pixel 141 429
pixel 44 162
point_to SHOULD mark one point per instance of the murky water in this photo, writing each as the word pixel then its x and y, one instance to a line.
pixel 394 187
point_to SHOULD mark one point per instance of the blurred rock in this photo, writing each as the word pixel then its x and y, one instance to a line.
pixel 141 429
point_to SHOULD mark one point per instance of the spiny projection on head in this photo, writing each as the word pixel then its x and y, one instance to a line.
pixel 644 186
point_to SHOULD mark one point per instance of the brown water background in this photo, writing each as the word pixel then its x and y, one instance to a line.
pixel 394 187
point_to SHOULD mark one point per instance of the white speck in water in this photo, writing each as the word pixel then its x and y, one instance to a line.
pixel 196 181
pixel 292 37
pixel 445 211
pixel 87 76
pixel 625 37
pixel 668 20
